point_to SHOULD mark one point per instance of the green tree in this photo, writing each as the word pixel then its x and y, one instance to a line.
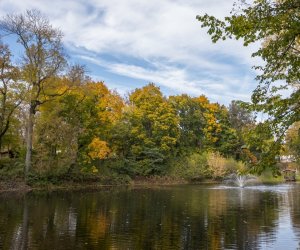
pixel 240 117
pixel 242 120
pixel 191 122
pixel 261 147
pixel 10 91
pixel 276 24
pixel 227 137
pixel 203 125
pixel 293 140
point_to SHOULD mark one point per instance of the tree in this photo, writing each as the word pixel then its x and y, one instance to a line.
pixel 191 121
pixel 226 136
pixel 239 116
pixel 242 120
pixel 293 140
pixel 154 129
pixel 276 24
pixel 212 126
pixel 85 115
pixel 10 91
pixel 101 109
pixel 58 124
pixel 43 59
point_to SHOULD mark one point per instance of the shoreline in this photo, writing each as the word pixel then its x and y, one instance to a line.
pixel 19 186
pixel 22 187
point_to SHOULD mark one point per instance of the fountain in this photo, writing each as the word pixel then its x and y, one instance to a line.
pixel 240 179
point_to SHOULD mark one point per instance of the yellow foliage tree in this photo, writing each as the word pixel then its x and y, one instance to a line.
pixel 98 149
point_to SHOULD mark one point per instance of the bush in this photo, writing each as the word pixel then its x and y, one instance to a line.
pixel 198 166
pixel 191 167
pixel 216 164
pixel 219 166
pixel 11 168
pixel 149 162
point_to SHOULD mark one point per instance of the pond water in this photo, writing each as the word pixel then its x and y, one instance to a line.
pixel 174 217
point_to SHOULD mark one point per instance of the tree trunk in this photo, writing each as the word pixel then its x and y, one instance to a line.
pixel 29 140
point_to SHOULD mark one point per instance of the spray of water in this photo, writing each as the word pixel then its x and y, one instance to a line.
pixel 239 179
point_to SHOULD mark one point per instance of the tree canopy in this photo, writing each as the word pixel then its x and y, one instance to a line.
pixel 276 25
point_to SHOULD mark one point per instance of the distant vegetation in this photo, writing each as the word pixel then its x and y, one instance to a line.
pixel 57 124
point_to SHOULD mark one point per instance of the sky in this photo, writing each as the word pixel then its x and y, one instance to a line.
pixel 129 43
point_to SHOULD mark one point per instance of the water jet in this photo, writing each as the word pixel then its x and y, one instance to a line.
pixel 240 179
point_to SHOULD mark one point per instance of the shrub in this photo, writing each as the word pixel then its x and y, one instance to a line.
pixel 11 168
pixel 191 167
pixel 219 166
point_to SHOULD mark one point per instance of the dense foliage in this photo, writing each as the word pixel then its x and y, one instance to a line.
pixel 58 123
pixel 91 129
pixel 276 25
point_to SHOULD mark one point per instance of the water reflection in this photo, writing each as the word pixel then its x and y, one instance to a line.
pixel 183 217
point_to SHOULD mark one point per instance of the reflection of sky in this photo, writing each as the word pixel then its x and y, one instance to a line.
pixel 283 234
pixel 285 237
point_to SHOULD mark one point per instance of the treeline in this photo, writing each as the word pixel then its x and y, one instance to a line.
pixel 57 121
pixel 88 129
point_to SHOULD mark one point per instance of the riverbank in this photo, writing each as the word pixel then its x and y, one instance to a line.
pixel 21 186
pixel 14 186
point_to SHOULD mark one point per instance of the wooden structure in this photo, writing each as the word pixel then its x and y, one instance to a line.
pixel 289 174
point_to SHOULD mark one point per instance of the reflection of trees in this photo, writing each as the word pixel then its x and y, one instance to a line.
pixel 11 217
pixel 168 218
pixel 239 217
pixel 294 204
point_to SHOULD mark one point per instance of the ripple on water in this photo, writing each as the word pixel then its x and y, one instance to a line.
pixel 182 217
pixel 281 188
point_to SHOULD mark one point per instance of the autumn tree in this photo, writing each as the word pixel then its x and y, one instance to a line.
pixel 43 59
pixel 104 109
pixel 293 141
pixel 212 125
pixel 85 116
pixel 55 145
pixel 154 130
pixel 276 25
pixel 203 125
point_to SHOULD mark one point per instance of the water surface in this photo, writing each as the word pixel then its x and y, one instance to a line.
pixel 177 217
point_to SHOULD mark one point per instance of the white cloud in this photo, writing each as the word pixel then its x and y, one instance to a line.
pixel 180 81
pixel 164 33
